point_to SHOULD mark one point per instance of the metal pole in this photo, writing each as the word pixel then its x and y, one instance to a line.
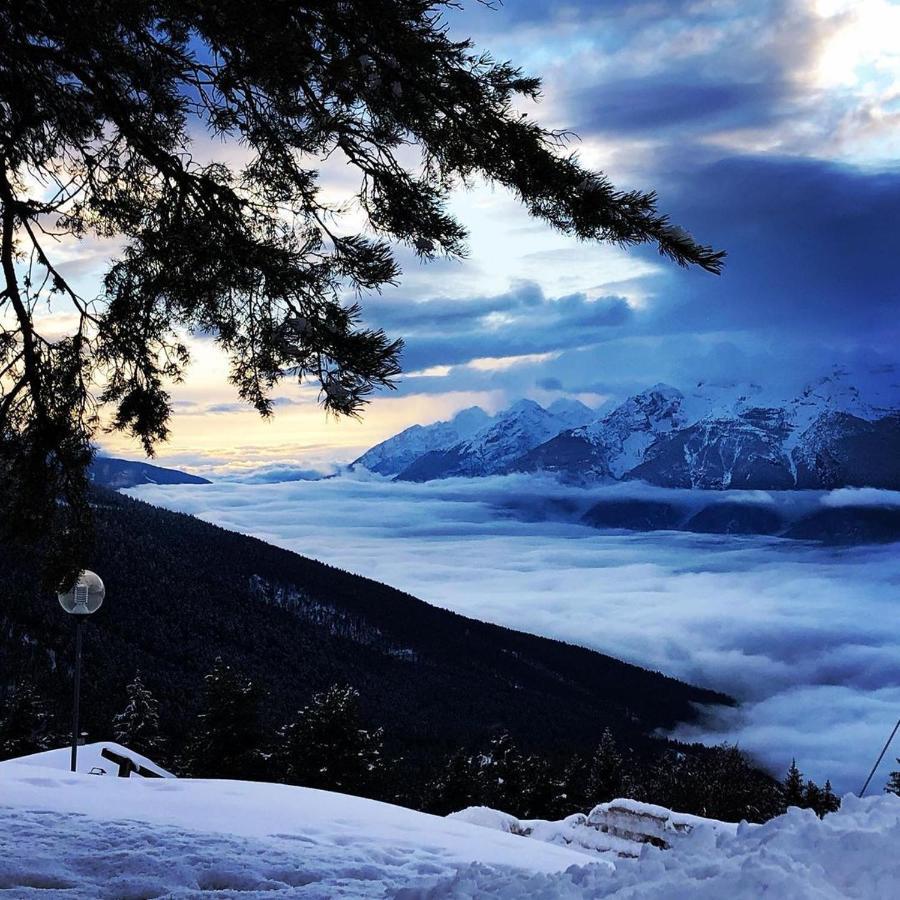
pixel 79 623
pixel 880 758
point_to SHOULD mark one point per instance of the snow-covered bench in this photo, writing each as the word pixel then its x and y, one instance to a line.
pixel 621 827
pixel 127 765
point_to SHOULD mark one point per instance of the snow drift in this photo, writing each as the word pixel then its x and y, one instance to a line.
pixel 85 836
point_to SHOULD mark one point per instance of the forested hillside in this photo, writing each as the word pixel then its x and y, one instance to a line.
pixel 182 592
pixel 107 471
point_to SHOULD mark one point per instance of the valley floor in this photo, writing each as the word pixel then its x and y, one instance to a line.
pixel 76 835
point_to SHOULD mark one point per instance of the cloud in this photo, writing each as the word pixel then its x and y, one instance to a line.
pixel 277 473
pixel 862 497
pixel 810 281
pixel 811 244
pixel 521 321
pixel 807 637
pixel 658 106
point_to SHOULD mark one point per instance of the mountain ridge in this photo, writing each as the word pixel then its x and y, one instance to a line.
pixel 112 472
pixel 828 434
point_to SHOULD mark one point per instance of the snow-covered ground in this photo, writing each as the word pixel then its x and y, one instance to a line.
pixel 90 760
pixel 77 835
pixel 89 836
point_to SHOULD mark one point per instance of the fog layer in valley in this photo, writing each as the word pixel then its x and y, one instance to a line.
pixel 807 637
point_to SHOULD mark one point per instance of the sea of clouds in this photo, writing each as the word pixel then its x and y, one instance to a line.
pixel 806 637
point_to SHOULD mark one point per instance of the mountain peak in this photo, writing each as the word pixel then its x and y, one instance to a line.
pixel 571 411
pixel 392 456
pixel 665 390
pixel 525 405
pixel 469 420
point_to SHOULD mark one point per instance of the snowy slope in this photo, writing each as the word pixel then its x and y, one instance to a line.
pixel 839 430
pixel 849 854
pixel 81 836
pixel 615 830
pixel 118 838
pixel 611 446
pixel 570 413
pixel 511 434
pixel 396 453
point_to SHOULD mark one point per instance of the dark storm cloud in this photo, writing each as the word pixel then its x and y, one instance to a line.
pixel 811 272
pixel 812 245
pixel 519 322
pixel 661 104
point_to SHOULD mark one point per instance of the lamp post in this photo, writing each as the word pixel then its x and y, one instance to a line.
pixel 82 599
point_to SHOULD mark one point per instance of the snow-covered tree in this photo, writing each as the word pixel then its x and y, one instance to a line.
pixel 227 742
pixel 456 785
pixel 137 726
pixel 607 777
pixel 25 723
pixel 327 745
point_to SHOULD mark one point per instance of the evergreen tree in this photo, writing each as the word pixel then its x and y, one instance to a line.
pixel 716 782
pixel 457 785
pixel 792 786
pixel 812 797
pixel 893 785
pixel 504 777
pixel 572 794
pixel 25 723
pixel 540 788
pixel 137 726
pixel 227 742
pixel 328 747
pixel 607 777
pixel 830 801
pixel 98 106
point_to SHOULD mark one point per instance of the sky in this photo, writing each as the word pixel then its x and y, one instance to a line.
pixel 806 637
pixel 768 128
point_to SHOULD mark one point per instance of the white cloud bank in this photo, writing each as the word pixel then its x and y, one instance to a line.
pixel 807 637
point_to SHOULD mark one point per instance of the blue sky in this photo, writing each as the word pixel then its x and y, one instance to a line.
pixel 768 128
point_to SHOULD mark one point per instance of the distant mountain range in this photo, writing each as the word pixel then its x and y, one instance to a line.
pixel 472 442
pixel 839 431
pixel 106 471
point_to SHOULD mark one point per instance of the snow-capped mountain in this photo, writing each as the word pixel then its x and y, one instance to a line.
pixel 611 446
pixel 492 449
pixel 842 429
pixel 571 413
pixel 832 433
pixel 744 451
pixel 393 455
